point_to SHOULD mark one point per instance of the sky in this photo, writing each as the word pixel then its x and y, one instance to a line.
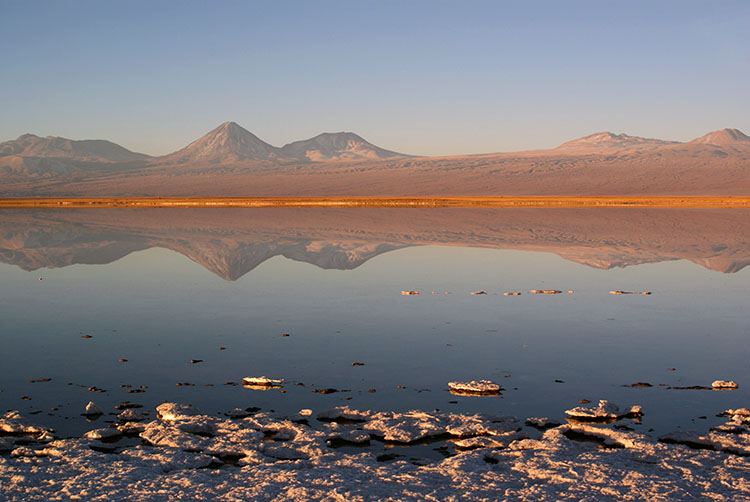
pixel 421 77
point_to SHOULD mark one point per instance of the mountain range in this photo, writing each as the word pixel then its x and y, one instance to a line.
pixel 232 242
pixel 232 161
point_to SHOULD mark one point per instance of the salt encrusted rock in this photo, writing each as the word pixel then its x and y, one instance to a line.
pixel 489 442
pixel 174 411
pixel 105 433
pixel 12 422
pixel 357 436
pixel 92 409
pixel 131 427
pixel 415 425
pixel 609 437
pixel 131 415
pixel 345 413
pixel 167 459
pixel 724 384
pixel 481 387
pixel 555 467
pixel 542 422
pixel 603 411
pixel 160 434
pixel 262 381
pixel 409 292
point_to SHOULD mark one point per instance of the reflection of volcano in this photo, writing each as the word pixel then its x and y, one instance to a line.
pixel 231 242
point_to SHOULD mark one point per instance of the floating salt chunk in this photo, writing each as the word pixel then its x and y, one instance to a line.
pixel 131 415
pixel 481 387
pixel 512 293
pixel 620 292
pixel 545 292
pixel 262 381
pixel 105 433
pixel 92 409
pixel 602 412
pixel 542 422
pixel 408 293
pixel 478 293
pixel 724 384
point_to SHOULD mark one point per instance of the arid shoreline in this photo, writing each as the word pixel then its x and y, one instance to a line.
pixel 402 202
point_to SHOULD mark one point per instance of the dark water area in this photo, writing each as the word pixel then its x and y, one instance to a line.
pixel 82 290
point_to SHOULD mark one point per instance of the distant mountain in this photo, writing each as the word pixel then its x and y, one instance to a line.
pixel 231 143
pixel 30 145
pixel 227 143
pixel 724 137
pixel 336 146
pixel 607 142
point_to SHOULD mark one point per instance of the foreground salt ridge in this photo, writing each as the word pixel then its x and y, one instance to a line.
pixel 279 459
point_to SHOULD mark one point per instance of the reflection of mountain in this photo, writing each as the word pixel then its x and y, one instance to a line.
pixel 231 242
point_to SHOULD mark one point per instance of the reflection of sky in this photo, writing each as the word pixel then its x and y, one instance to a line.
pixel 159 310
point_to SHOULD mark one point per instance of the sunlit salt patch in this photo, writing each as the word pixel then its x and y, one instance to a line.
pixel 92 409
pixel 724 384
pixel 739 416
pixel 12 422
pixel 345 413
pixel 161 434
pixel 167 459
pixel 130 428
pixel 609 437
pixel 104 433
pixel 347 435
pixel 602 412
pixel 502 441
pixel 174 411
pixel 262 383
pixel 131 415
pixel 415 425
pixel 475 387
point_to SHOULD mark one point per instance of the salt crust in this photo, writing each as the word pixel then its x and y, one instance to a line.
pixel 283 460
pixel 475 387
pixel 603 411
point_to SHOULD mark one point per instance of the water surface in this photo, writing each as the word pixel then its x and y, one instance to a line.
pixel 161 287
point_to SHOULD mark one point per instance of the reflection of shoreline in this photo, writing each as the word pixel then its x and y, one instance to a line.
pixel 370 201
pixel 232 242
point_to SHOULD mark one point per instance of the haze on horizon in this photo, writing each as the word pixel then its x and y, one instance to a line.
pixel 425 78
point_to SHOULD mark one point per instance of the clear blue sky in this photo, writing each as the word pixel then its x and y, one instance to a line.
pixel 424 77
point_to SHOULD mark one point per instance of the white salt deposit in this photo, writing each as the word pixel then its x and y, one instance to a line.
pixel 296 463
pixel 131 415
pixel 262 381
pixel 474 387
pixel 603 411
pixel 724 384
pixel 92 409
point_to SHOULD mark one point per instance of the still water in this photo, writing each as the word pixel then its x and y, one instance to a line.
pixel 159 288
